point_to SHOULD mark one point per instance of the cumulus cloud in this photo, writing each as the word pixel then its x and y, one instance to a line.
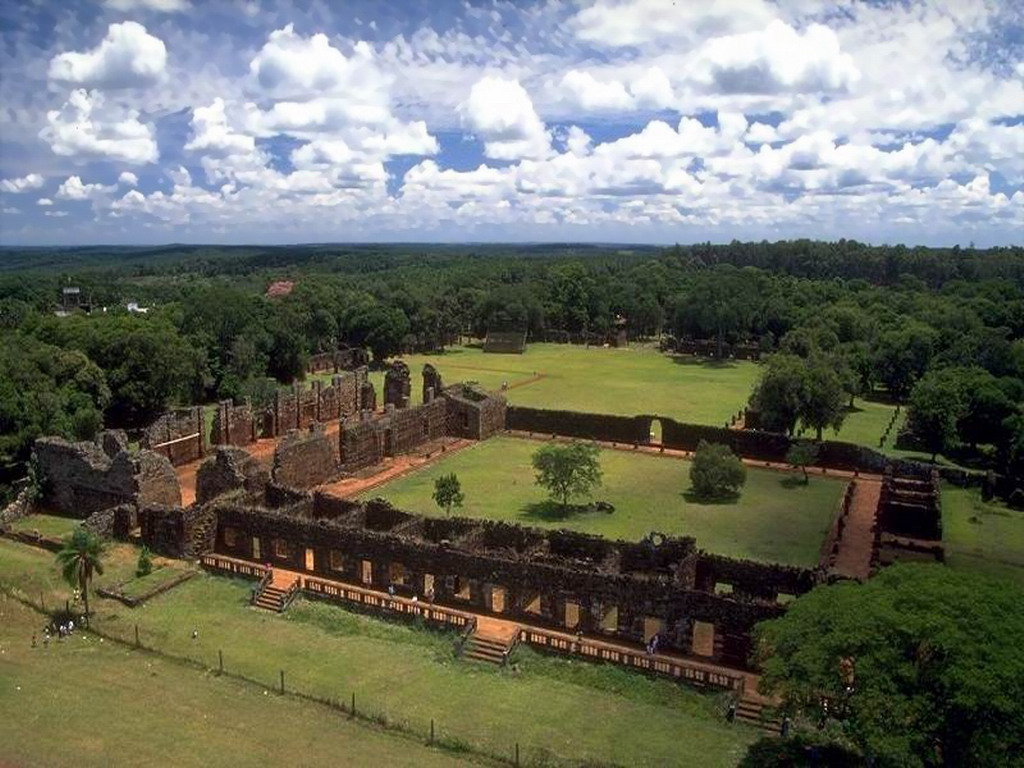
pixel 74 189
pixel 500 112
pixel 211 133
pixel 128 179
pixel 777 59
pixel 592 94
pixel 86 127
pixel 128 57
pixel 22 184
pixel 44 201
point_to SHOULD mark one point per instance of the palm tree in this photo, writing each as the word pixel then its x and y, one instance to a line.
pixel 80 558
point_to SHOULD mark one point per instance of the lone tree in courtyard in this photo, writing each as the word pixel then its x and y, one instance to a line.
pixel 801 455
pixel 448 492
pixel 920 666
pixel 716 472
pixel 79 559
pixel 567 470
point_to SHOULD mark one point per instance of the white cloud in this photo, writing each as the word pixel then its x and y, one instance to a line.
pixel 86 127
pixel 44 201
pixel 128 179
pixel 593 94
pixel 74 189
pixel 653 89
pixel 128 57
pixel 11 211
pixel 777 59
pixel 211 134
pixel 161 6
pixel 501 113
pixel 56 214
pixel 23 184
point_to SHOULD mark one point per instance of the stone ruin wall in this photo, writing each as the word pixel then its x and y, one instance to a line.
pixel 178 434
pixel 373 437
pixel 305 459
pixel 234 424
pixel 346 359
pixel 397 385
pixel 78 479
pixel 542 573
pixel 230 469
pixel 173 531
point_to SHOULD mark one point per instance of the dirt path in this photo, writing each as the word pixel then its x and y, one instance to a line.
pixel 393 468
pixel 857 540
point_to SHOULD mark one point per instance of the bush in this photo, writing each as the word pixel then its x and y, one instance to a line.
pixel 716 472
pixel 145 564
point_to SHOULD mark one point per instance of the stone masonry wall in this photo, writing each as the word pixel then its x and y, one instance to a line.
pixel 305 459
pixel 179 435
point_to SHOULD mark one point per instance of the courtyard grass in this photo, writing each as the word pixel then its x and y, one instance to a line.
pixel 555 709
pixel 775 519
pixel 48 526
pixel 985 537
pixel 627 381
pixel 89 703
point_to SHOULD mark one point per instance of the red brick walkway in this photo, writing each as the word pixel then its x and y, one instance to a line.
pixel 857 540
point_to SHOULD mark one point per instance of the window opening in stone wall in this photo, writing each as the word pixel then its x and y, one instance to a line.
pixel 230 537
pixel 367 572
pixel 337 560
pixel 572 614
pixel 256 548
pixel 462 588
pixel 310 560
pixel 281 548
pixel 610 618
pixel 396 573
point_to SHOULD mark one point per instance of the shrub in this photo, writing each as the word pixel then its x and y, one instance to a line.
pixel 145 564
pixel 716 472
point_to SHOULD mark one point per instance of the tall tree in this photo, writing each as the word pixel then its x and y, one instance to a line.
pixel 567 470
pixel 936 406
pixel 822 401
pixel 448 492
pixel 79 559
pixel 921 665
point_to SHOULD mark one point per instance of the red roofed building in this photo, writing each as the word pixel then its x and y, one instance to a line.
pixel 280 288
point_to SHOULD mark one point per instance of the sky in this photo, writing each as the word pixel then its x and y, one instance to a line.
pixel 646 121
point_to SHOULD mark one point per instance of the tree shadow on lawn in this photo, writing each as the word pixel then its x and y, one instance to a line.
pixel 692 497
pixel 702 362
pixel 789 482
pixel 551 511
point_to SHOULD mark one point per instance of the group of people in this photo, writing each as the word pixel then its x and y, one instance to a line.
pixel 60 630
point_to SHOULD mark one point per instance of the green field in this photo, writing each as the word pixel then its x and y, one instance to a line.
pixel 552 708
pixel 90 703
pixel 775 519
pixel 980 536
pixel 627 381
pixel 49 526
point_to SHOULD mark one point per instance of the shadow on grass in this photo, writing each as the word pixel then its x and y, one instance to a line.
pixel 703 362
pixel 793 481
pixel 551 511
pixel 718 501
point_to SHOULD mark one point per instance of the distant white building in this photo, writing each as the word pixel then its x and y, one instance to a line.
pixel 133 306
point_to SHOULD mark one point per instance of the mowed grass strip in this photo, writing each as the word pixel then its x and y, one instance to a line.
pixel 411 676
pixel 985 537
pixel 49 526
pixel 775 519
pixel 89 703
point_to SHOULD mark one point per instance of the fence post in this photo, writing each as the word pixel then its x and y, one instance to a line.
pixel 137 644
pixel 431 730
pixel 282 681
pixel 353 708
pixel 517 754
pixel 220 661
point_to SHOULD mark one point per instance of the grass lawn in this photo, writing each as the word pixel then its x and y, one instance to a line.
pixel 87 703
pixel 141 585
pixel 575 711
pixel 626 381
pixel 980 536
pixel 774 519
pixel 866 423
pixel 49 526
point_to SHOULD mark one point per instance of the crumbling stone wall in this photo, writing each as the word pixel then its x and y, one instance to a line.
pixel 298 408
pixel 505 342
pixel 178 434
pixel 474 413
pixel 230 469
pixel 588 426
pixel 432 384
pixel 545 577
pixel 22 506
pixel 173 531
pixel 114 522
pixel 78 479
pixel 910 508
pixel 397 385
pixel 372 437
pixel 234 424
pixel 305 459
pixel 113 441
pixel 345 359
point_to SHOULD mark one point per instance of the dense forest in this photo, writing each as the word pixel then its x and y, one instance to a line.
pixel 941 329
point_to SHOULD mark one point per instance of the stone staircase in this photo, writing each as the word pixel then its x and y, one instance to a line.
pixel 757 713
pixel 276 595
pixel 491 641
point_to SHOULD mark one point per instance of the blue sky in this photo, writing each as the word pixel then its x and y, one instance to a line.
pixel 227 121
